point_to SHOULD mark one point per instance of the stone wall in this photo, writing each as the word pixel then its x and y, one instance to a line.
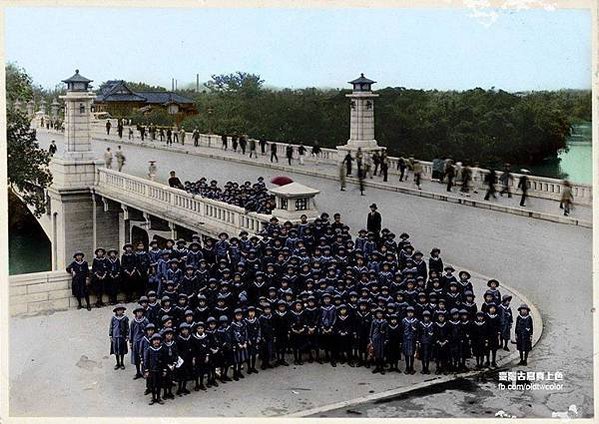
pixel 41 292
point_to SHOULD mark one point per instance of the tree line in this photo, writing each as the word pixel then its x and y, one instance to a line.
pixel 485 126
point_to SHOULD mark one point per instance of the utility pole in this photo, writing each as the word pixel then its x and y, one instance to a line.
pixel 197 83
pixel 172 84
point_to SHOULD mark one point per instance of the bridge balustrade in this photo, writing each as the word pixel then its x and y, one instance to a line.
pixel 542 187
pixel 156 198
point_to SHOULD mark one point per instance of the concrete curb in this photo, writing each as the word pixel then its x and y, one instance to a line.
pixel 538 324
pixel 379 185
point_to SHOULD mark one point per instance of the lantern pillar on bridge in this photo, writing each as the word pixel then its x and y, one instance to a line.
pixel 361 124
pixel 74 213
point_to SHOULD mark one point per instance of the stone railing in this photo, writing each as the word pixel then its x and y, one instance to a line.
pixel 541 187
pixel 161 200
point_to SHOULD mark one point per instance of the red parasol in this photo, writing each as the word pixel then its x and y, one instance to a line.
pixel 281 180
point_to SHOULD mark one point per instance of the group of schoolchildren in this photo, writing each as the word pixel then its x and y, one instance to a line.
pixel 252 197
pixel 307 289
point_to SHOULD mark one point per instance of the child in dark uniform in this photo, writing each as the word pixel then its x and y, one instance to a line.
pixel 254 338
pixel 409 337
pixel 480 343
pixel 155 367
pixel 524 330
pixel 425 337
pixel 172 356
pixel 146 342
pixel 185 350
pixel 505 320
pixel 493 330
pixel 378 337
pixel 79 269
pixel 99 275
pixel 136 335
pixel 201 354
pixel 441 335
pixel 239 336
pixel 119 335
pixel 394 336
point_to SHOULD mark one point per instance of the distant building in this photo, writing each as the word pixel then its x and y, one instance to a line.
pixel 119 100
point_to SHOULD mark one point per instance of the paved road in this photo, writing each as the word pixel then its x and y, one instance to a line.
pixel 549 263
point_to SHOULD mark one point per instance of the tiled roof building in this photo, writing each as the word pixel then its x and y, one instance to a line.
pixel 118 99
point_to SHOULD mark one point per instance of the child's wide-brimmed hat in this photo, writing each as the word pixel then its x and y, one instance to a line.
pixel 491 281
pixel 99 249
pixel 138 309
pixel 464 274
pixel 506 297
pixel 523 306
pixel 78 254
pixel 119 306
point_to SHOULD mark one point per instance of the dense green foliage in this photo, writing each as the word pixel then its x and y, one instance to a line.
pixel 28 170
pixel 27 164
pixel 485 126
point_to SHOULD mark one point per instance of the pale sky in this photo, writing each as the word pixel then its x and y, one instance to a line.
pixel 440 49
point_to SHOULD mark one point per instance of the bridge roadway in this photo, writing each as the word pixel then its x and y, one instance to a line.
pixel 548 262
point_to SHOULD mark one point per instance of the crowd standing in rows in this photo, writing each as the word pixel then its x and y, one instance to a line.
pixel 252 197
pixel 310 289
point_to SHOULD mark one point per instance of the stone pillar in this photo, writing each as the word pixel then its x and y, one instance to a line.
pixel 74 173
pixel 54 108
pixel 361 128
pixel 30 108
pixel 173 228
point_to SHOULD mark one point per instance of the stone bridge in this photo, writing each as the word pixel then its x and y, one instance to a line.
pixel 534 251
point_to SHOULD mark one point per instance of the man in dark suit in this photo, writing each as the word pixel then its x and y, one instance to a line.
pixel 374 221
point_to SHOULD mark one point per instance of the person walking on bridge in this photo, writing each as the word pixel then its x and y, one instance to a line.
pixel 289 153
pixel 523 185
pixel 491 180
pixel 182 135
pixel 449 173
pixel 252 143
pixel 262 143
pixel 301 150
pixel 567 198
pixel 120 158
pixel 169 136
pixel 108 158
pixel 152 169
pixel 384 165
pixel 417 169
pixel 348 160
pixel 243 143
pixel 196 137
pixel 119 128
pixel 52 148
pixel 108 126
pixel 506 178
pixel 225 141
pixel 273 152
